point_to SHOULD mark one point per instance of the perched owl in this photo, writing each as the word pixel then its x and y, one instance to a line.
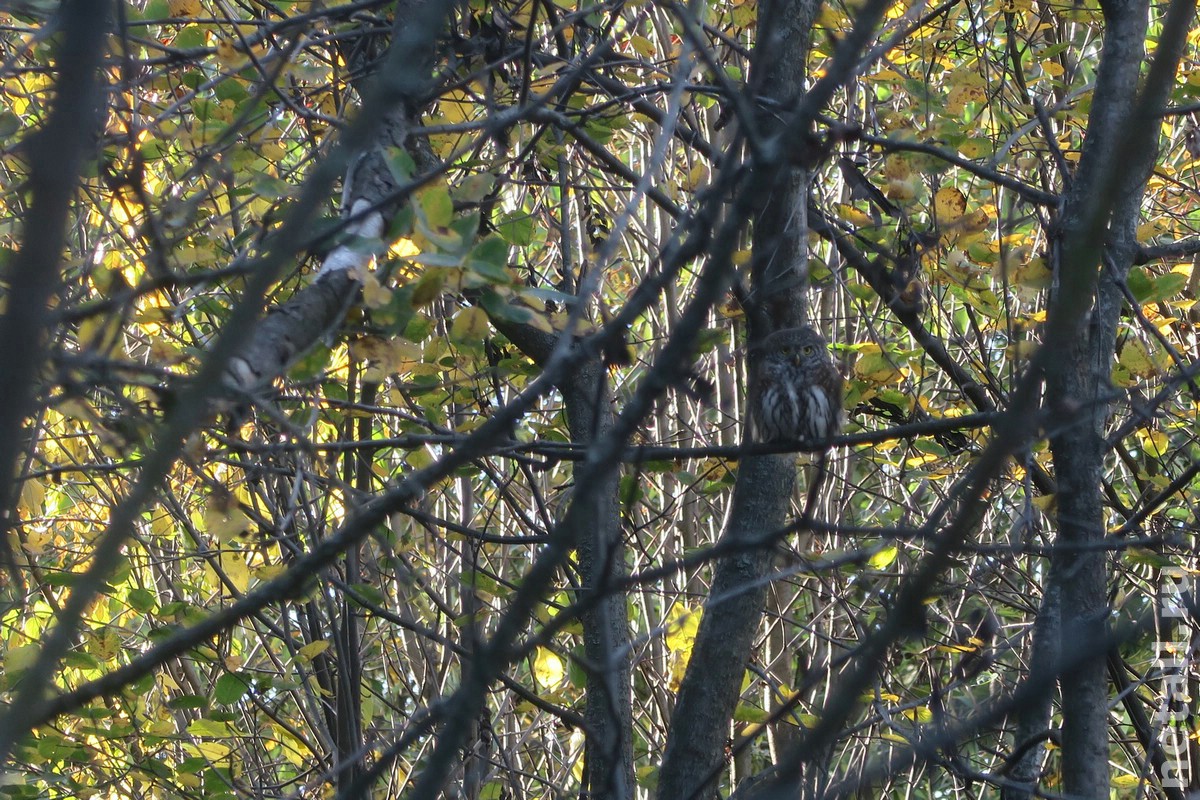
pixel 799 389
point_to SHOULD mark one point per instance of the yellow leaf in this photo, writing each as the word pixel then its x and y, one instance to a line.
pixel 642 46
pixel 184 8
pixel 375 295
pixel 850 214
pixel 1034 275
pixel 456 106
pixel 268 571
pixel 959 96
pixel 1052 68
pixel 1155 443
pixel 1135 357
pixel 313 649
pixel 236 570
pixel 1046 503
pixel 38 539
pixel 548 669
pixel 896 167
pixel 950 204
pixel 222 517
pixel 1021 350
pixel 682 624
pixel 470 325
pixel 213 751
pixel 883 557
pixel 33 492
pixel 696 176
pixel 975 148
pixel 873 366
pixel 403 248
pixel 273 151
pixel 100 333
pixel 227 54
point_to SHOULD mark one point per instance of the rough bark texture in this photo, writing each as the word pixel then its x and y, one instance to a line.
pixel 709 691
pixel 608 755
pixel 1077 383
pixel 372 194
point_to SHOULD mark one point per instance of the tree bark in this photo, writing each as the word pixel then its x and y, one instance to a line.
pixel 371 195
pixel 709 691
pixel 608 750
pixel 1117 158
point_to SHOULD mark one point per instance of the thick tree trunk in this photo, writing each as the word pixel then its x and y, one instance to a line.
pixel 1078 383
pixel 709 692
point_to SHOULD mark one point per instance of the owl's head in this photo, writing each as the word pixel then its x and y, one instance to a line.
pixel 794 345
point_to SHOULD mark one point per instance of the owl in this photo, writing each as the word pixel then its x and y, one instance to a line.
pixel 799 389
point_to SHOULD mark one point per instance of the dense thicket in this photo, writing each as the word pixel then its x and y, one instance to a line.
pixel 375 377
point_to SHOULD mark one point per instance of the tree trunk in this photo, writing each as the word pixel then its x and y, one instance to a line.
pixel 608 751
pixel 709 691
pixel 1117 158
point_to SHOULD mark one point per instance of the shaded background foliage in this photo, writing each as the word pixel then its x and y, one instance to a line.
pixel 552 172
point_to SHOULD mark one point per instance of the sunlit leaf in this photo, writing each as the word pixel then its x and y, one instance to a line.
pixel 548 668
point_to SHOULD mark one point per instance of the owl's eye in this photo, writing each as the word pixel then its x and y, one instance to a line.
pixel 808 349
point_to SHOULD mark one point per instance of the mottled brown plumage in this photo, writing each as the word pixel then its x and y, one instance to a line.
pixel 799 390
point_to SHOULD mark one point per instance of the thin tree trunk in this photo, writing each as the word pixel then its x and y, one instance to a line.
pixel 1033 718
pixel 608 751
pixel 609 714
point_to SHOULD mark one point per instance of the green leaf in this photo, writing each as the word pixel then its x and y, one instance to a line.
pixel 400 164
pixel 395 314
pixel 493 790
pixel 229 688
pixel 1164 287
pixel 1147 558
pixel 517 229
pixel 208 727
pixel 747 713
pixel 437 207
pixel 141 600
pixel 489 259
pixel 312 364
pixel 1140 283
pixel 188 701
pixel 9 124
